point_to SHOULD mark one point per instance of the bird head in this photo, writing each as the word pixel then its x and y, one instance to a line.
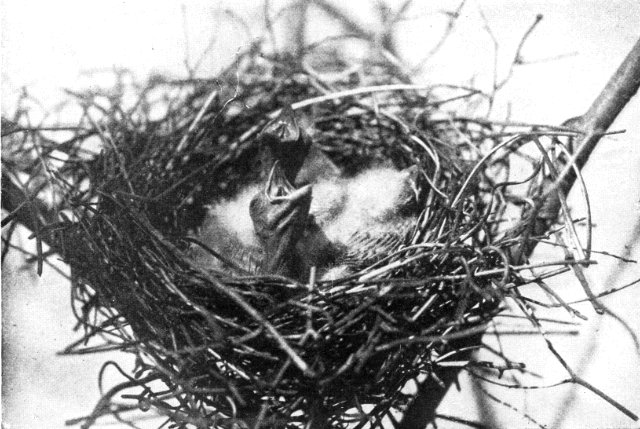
pixel 279 213
pixel 282 139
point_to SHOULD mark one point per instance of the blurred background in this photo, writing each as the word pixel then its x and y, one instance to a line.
pixel 51 46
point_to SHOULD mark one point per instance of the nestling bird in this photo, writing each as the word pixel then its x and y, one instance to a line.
pixel 274 228
pixel 229 230
pixel 356 221
pixel 284 139
pixel 257 232
pixel 229 237
pixel 279 215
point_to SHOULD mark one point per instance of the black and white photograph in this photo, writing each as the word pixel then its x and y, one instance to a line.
pixel 315 214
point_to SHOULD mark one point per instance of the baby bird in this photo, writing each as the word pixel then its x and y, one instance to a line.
pixel 356 221
pixel 229 237
pixel 274 228
pixel 257 232
pixel 284 139
pixel 229 230
pixel 279 215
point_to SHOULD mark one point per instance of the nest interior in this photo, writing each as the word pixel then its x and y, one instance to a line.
pixel 267 350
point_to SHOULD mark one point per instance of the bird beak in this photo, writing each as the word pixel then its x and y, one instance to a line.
pixel 283 139
pixel 279 189
pixel 284 128
pixel 279 214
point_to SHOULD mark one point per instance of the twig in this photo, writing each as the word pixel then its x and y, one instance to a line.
pixel 453 18
pixel 577 380
pixel 620 88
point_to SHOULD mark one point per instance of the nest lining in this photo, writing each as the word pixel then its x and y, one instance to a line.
pixel 271 351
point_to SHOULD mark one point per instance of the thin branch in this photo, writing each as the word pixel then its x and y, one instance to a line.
pixel 620 88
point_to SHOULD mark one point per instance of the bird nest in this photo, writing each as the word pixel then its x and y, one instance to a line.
pixel 217 349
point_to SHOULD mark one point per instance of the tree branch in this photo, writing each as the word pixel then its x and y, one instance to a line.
pixel 620 88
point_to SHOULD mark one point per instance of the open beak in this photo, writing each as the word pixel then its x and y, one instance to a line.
pixel 284 128
pixel 280 190
pixel 279 213
pixel 283 140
